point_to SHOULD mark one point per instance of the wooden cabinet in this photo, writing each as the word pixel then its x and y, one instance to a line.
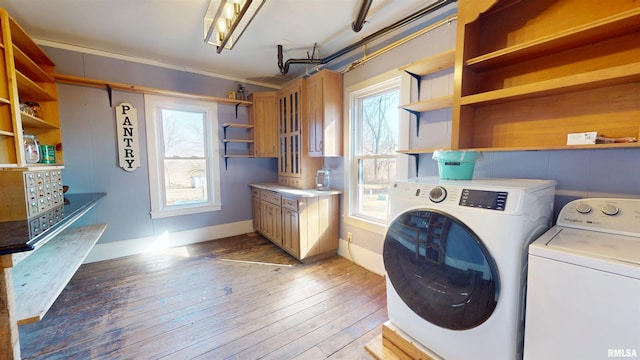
pixel 323 111
pixel 309 127
pixel 295 167
pixel 271 216
pixel 263 114
pixel 530 72
pixel 304 224
pixel 26 75
pixel 256 210
pixel 290 227
pixel 33 195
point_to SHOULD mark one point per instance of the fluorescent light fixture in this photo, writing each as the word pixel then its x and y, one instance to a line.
pixel 226 20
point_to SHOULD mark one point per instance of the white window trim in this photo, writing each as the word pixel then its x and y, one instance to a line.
pixel 154 103
pixel 352 93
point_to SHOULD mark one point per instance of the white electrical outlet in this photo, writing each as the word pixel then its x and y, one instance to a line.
pixel 349 236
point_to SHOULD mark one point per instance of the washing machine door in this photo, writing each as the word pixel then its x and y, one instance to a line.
pixel 441 269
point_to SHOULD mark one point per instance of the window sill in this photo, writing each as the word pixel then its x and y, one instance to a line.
pixel 184 211
pixel 371 226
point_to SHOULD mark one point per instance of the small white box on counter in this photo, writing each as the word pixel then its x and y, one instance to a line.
pixel 584 138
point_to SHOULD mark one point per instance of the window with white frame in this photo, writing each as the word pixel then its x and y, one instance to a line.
pixel 373 141
pixel 184 171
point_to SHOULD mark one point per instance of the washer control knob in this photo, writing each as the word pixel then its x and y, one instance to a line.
pixel 610 210
pixel 583 208
pixel 437 194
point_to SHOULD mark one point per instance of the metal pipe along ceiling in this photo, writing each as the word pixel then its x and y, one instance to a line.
pixel 284 66
pixel 362 15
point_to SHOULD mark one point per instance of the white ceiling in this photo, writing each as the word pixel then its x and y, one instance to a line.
pixel 170 32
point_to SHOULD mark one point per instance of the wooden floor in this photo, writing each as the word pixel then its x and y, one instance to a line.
pixel 234 298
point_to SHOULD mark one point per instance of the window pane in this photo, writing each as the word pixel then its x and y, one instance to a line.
pixel 183 133
pixel 374 179
pixel 185 181
pixel 379 123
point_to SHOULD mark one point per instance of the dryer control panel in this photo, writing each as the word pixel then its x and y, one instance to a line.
pixel 492 200
pixel 610 215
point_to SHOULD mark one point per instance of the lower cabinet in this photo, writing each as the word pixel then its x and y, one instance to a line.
pixel 290 226
pixel 255 208
pixel 271 218
pixel 304 223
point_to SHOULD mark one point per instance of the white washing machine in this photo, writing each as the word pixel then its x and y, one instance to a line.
pixel 583 300
pixel 455 255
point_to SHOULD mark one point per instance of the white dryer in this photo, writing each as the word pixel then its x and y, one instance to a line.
pixel 583 300
pixel 455 255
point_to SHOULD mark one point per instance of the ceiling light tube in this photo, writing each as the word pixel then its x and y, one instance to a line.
pixel 238 15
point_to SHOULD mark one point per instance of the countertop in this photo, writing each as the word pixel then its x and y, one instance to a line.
pixel 300 193
pixel 14 235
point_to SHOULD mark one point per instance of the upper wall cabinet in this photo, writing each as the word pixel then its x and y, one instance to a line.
pixel 27 75
pixel 295 167
pixel 324 113
pixel 529 72
pixel 263 114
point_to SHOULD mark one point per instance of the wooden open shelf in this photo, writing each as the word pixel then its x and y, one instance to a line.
pixel 41 277
pixel 238 141
pixel 531 74
pixel 21 39
pixel 612 26
pixel 419 69
pixel 29 68
pixel 429 104
pixel 529 148
pixel 431 64
pixel 237 126
pixel 34 121
pixel 245 145
pixel 578 82
pixel 30 90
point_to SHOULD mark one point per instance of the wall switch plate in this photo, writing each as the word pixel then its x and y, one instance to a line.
pixel 585 138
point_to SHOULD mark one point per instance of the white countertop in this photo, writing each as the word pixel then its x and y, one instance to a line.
pixel 286 190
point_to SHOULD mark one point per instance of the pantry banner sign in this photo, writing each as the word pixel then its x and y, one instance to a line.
pixel 127 136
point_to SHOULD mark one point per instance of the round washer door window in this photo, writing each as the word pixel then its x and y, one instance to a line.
pixel 441 269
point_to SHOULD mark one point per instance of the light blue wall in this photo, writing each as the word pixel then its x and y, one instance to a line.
pixel 88 137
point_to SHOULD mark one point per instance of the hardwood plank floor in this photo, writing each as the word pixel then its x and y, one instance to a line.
pixel 234 298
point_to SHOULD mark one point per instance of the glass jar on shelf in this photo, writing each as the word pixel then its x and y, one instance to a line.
pixel 31 149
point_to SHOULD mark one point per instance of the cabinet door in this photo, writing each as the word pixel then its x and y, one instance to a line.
pixel 323 112
pixel 290 130
pixel 290 232
pixel 271 222
pixel 264 117
pixel 255 211
pixel 315 115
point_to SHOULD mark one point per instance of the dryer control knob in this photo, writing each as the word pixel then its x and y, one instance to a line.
pixel 610 210
pixel 437 194
pixel 583 208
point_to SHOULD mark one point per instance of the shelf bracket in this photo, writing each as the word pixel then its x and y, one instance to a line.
pixel 416 157
pixel 417 114
pixel 418 78
pixel 109 93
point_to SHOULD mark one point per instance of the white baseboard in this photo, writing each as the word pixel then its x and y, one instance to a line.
pixel 366 258
pixel 117 249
